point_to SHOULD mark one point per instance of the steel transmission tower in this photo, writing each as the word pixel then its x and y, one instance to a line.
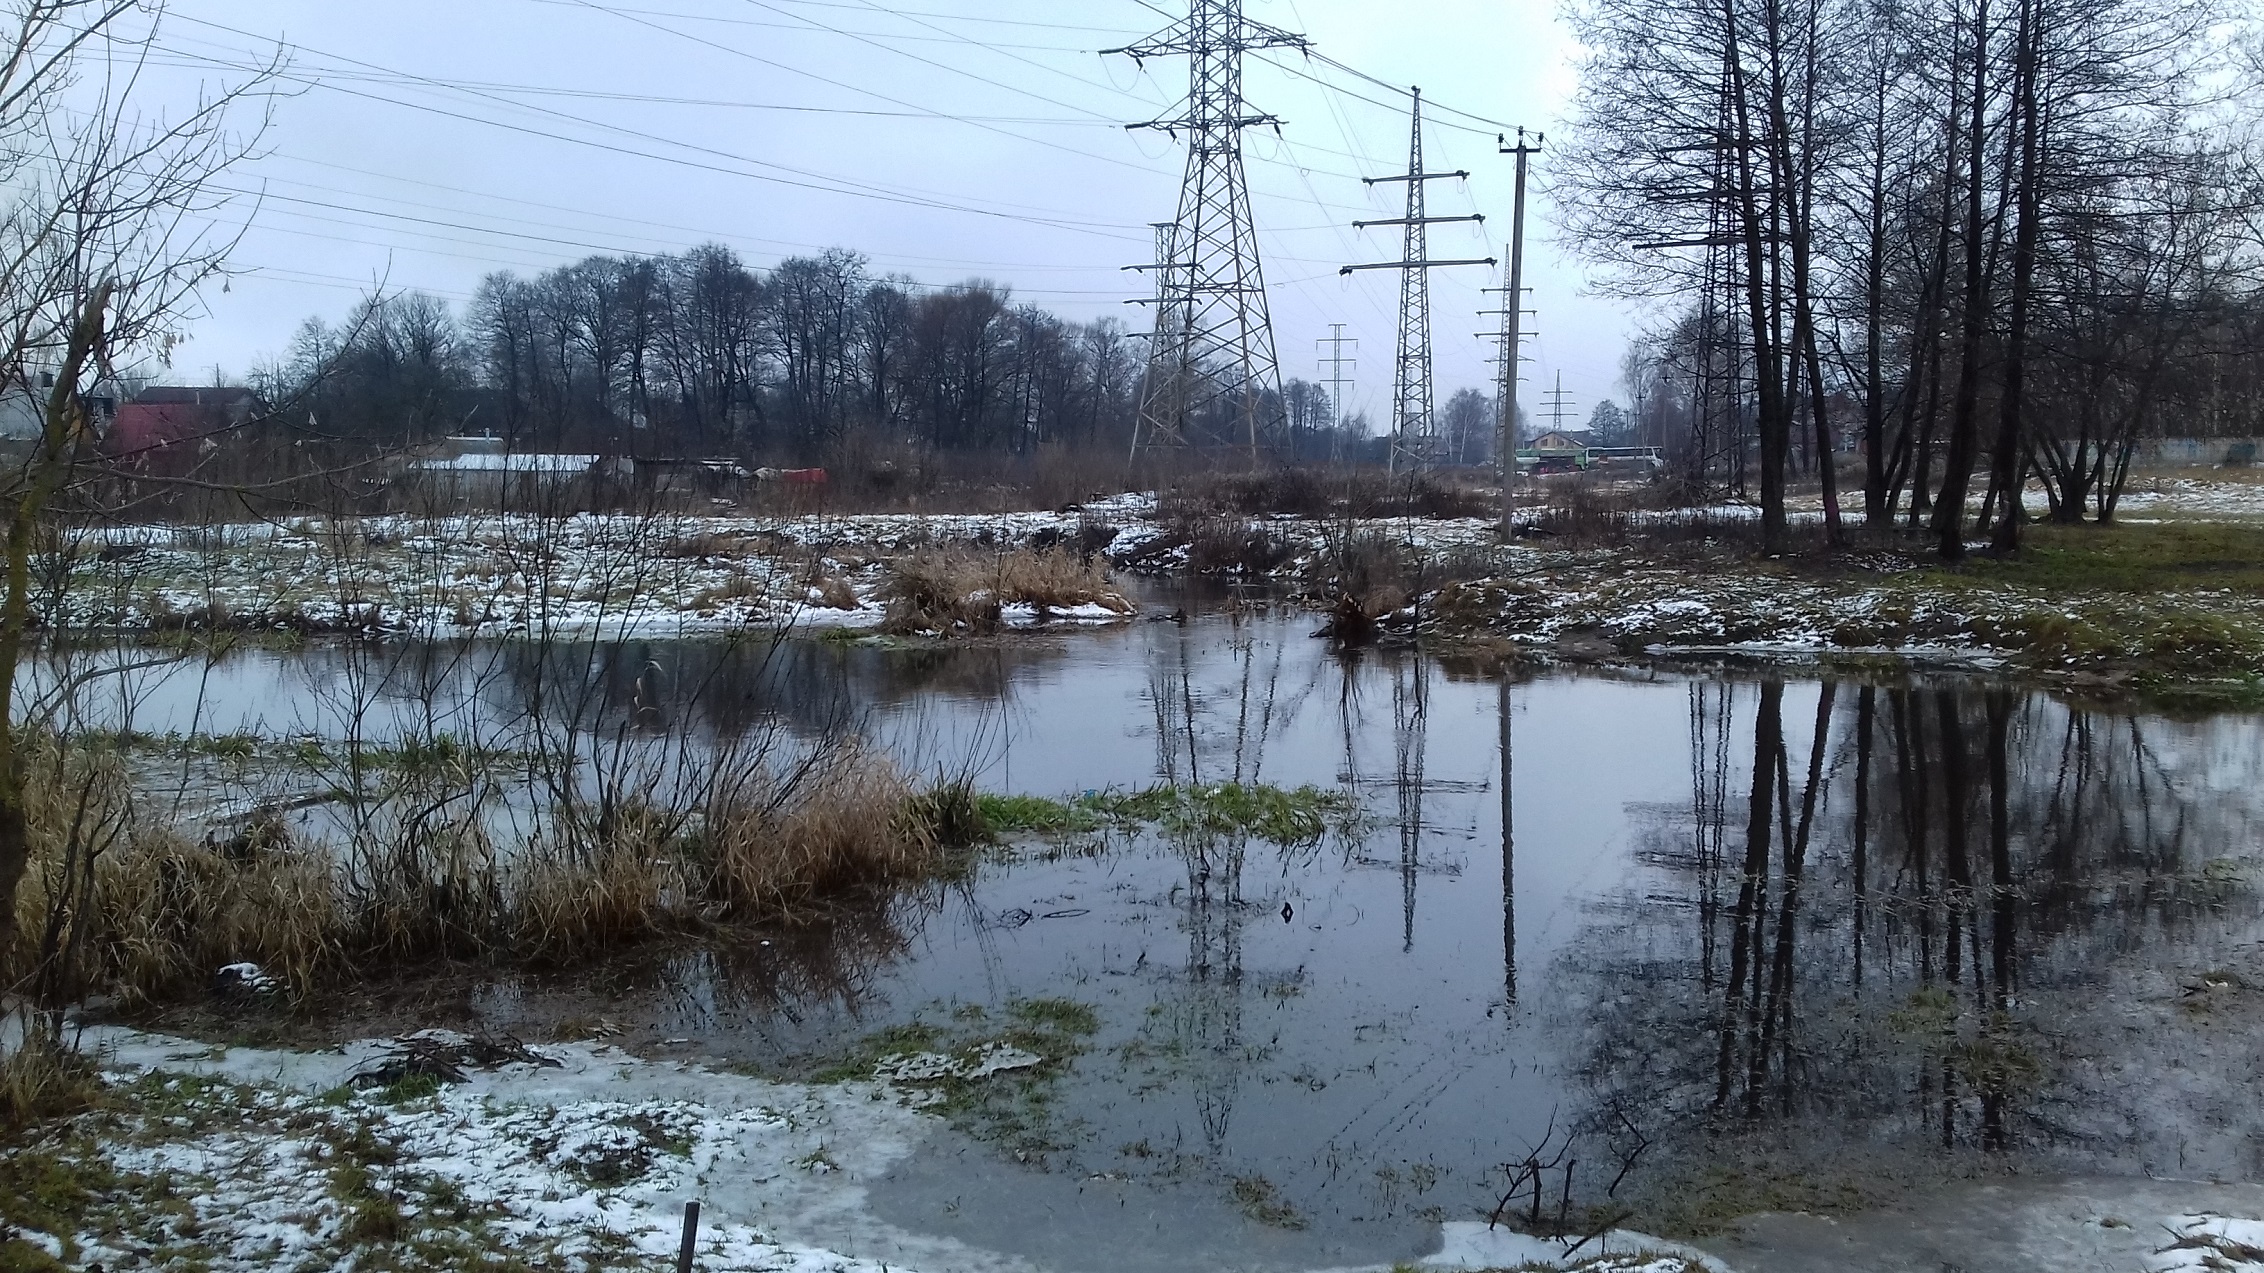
pixel 1414 432
pixel 1212 374
pixel 1336 363
pixel 1559 405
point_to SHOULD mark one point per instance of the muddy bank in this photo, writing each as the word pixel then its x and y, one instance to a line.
pixel 2168 607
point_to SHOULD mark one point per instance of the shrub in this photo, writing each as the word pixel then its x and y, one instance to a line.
pixel 958 592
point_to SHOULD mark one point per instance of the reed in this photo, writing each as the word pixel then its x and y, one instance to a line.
pixel 954 592
pixel 154 915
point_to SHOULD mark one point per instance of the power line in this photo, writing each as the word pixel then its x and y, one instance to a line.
pixel 720 20
pixel 842 186
pixel 188 59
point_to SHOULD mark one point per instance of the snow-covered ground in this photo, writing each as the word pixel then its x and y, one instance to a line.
pixel 242 1159
pixel 494 575
pixel 668 574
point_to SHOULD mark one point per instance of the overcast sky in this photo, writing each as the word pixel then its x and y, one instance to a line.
pixel 427 143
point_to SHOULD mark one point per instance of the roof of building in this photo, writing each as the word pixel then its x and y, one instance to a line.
pixel 1565 437
pixel 521 462
pixel 197 396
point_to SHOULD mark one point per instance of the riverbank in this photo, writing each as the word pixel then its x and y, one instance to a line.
pixel 2167 606
pixel 442 1152
pixel 438 1151
pixel 2172 613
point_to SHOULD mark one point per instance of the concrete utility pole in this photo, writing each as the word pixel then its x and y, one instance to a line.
pixel 1336 362
pixel 1512 333
pixel 1414 433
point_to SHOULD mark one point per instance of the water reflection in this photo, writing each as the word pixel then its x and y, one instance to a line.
pixel 1932 914
pixel 1867 920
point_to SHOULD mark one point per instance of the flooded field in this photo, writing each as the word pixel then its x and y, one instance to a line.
pixel 1657 947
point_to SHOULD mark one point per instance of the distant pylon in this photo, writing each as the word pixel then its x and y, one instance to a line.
pixel 1336 362
pixel 1557 405
pixel 1212 374
pixel 1414 431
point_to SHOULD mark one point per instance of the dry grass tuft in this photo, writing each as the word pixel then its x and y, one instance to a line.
pixel 623 894
pixel 172 911
pixel 706 545
pixel 155 916
pixel 834 593
pixel 850 822
pixel 954 592
pixel 41 1079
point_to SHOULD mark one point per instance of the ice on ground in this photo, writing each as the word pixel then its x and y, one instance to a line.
pixel 586 1162
pixel 1474 1245
pixel 926 1067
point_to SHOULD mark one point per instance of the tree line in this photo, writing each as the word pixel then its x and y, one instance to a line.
pixel 1989 241
pixel 698 353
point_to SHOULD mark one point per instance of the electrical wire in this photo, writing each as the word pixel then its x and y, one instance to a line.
pixel 810 180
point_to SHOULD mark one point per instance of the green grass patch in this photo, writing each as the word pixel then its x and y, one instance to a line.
pixel 2166 557
pixel 1014 1109
pixel 1037 815
pixel 1262 1202
pixel 1283 816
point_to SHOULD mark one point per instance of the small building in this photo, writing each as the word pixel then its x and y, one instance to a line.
pixel 484 473
pixel 23 410
pixel 166 430
pixel 1557 451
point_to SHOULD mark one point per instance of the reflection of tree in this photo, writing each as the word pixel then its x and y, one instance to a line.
pixel 1886 953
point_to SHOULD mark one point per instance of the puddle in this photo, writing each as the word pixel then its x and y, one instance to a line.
pixel 1747 942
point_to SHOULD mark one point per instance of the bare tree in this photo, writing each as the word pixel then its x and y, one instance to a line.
pixel 106 233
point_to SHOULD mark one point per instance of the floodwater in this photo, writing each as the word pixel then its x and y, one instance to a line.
pixel 1680 942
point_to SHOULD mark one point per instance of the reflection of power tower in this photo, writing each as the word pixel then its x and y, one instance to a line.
pixel 1710 725
pixel 1211 371
pixel 1414 432
pixel 1205 1015
pixel 1336 362
pixel 1558 405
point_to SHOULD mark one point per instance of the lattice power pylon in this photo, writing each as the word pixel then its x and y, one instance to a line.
pixel 1414 429
pixel 1212 376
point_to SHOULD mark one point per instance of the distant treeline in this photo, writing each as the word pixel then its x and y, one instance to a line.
pixel 698 353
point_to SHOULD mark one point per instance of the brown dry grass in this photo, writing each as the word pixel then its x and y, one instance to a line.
pixel 851 823
pixel 624 893
pixel 171 912
pixel 957 592
pixel 43 1078
pixel 165 912
pixel 834 593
